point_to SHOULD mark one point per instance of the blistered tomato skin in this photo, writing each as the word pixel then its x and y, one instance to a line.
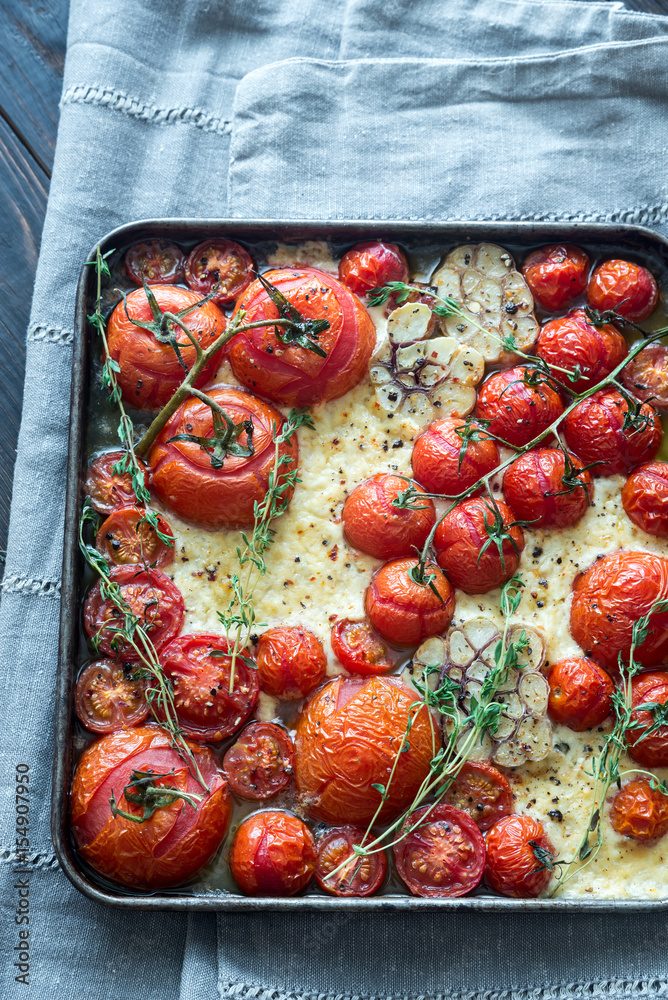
pixel 646 376
pixel 127 537
pixel 481 791
pixel 513 869
pixel 374 525
pixel 347 740
pixel 626 287
pixel 517 411
pixel 359 649
pixel 443 856
pixel 580 693
pixel 594 430
pixel 221 261
pixel 534 489
pixel 260 763
pixel 640 811
pixel 405 612
pixel 572 342
pixel 371 265
pixel 273 854
pixel 645 498
pixel 109 490
pixel 462 536
pixel 556 274
pixel 650 688
pixel 291 662
pixel 184 479
pixel 436 458
pixel 362 877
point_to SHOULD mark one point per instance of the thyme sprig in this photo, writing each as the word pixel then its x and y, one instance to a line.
pixel 226 434
pixel 300 331
pixel 143 791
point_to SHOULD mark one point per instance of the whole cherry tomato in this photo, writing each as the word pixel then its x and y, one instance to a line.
pixel 151 597
pixel 221 261
pixel 556 274
pixel 572 342
pixel 127 537
pixel 594 430
pixel 482 792
pixel 349 737
pixel 273 854
pixel 260 763
pixel 359 649
pixel 580 693
pixel 640 811
pixel 646 376
pixel 169 847
pixel 155 262
pixel 519 855
pixel 199 669
pixel 109 490
pixel 374 525
pixel 517 410
pixel 290 661
pixel 645 498
pixel 626 287
pixel 109 697
pixel 441 853
pixel 184 478
pixel 466 546
pixel 610 597
pixel 649 750
pixel 150 372
pixel 445 462
pixel 404 611
pixel 364 873
pixel 287 372
pixel 372 265
pixel 540 490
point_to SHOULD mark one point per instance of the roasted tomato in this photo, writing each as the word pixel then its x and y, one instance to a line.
pixel 441 466
pixel 482 792
pixel 361 877
pixel 172 845
pixel 157 262
pixel 645 498
pixel 347 741
pixel 571 342
pixel 519 855
pixel 291 662
pixel 580 693
pixel 538 490
pixel 294 375
pixel 260 763
pixel 626 287
pixel 359 649
pixel 127 537
pixel 199 668
pixel 109 697
pixel 184 478
pixel 150 371
pixel 518 411
pixel 466 547
pixel 610 597
pixel 109 490
pixel 594 430
pixel 371 265
pixel 556 274
pixel 375 526
pixel 273 854
pixel 149 594
pixel 640 811
pixel 648 689
pixel 646 376
pixel 441 852
pixel 405 612
pixel 219 260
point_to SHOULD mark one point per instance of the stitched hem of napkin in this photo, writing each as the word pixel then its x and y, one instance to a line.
pixel 49 334
pixel 35 860
pixel 16 584
pixel 118 100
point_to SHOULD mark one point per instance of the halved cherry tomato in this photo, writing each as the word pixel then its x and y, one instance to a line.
pixel 556 274
pixel 361 877
pixel 359 649
pixel 646 376
pixel 572 342
pixel 371 265
pixel 260 763
pixel 645 498
pixel 127 537
pixel 482 792
pixel 580 693
pixel 626 287
pixel 517 410
pixel 535 490
pixel 109 697
pixel 438 463
pixel 375 526
pixel 441 853
pixel 404 611
pixel 648 689
pixel 199 669
pixel 150 595
pixel 290 661
pixel 516 864
pixel 273 854
pixel 109 490
pixel 640 811
pixel 155 261
pixel 219 260
pixel 594 430
pixel 465 546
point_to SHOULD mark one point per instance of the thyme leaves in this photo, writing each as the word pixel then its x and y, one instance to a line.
pixel 142 790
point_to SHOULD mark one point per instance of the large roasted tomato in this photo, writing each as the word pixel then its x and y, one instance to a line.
pixel 580 693
pixel 624 286
pixel 404 611
pixel 517 410
pixel 186 482
pixel 572 342
pixel 518 852
pixel 648 689
pixel 440 465
pixel 645 498
pixel 176 841
pixel 347 740
pixel 594 430
pixel 640 811
pixel 150 371
pixel 556 274
pixel 376 526
pixel 610 597
pixel 273 854
pixel 466 546
pixel 535 490
pixel 296 375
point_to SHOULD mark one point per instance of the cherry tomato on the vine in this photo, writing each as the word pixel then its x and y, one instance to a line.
pixel 481 791
pixel 572 342
pixel 556 274
pixel 374 525
pixel 109 697
pixel 260 763
pixel 371 265
pixel 650 688
pixel 478 544
pixel 109 490
pixel 155 261
pixel 273 854
pixel 364 873
pixel 517 409
pixel 640 811
pixel 442 855
pixel 580 693
pixel 446 462
pixel 626 287
pixel 359 649
pixel 290 661
pixel 646 376
pixel 219 260
pixel 519 856
pixel 404 611
pixel 537 489
pixel 127 537
pixel 594 430
pixel 645 498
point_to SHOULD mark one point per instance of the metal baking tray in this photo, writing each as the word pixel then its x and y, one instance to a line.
pixel 421 240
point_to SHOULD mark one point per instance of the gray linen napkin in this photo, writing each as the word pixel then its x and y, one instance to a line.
pixel 147 119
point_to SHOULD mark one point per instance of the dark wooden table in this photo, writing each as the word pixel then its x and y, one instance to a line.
pixel 32 56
